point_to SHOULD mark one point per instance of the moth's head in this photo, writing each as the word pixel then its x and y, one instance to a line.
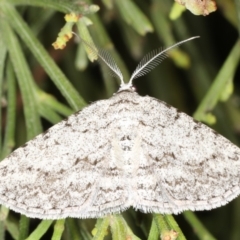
pixel 126 87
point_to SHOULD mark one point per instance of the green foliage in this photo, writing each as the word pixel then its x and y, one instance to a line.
pixel 36 92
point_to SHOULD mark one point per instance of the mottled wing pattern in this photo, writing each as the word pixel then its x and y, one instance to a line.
pixel 125 151
pixel 64 171
pixel 192 167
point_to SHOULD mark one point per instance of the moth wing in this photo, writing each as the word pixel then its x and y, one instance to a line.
pixel 59 174
pixel 189 165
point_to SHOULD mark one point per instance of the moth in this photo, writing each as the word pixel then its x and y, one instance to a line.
pixel 126 151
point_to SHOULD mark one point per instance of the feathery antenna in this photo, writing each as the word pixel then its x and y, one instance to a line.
pixel 152 59
pixel 106 58
pixel 149 62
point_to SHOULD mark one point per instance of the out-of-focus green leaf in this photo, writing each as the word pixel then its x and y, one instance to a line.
pixel 134 16
pixel 219 86
pixel 40 230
